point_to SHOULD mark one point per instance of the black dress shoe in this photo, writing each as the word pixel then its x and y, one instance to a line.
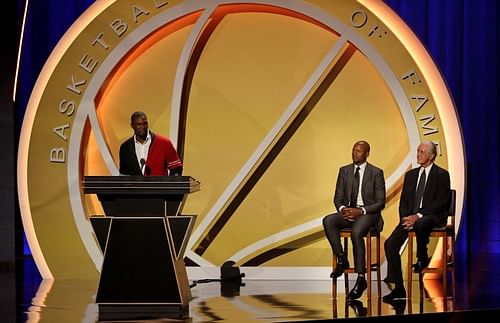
pixel 358 308
pixel 358 288
pixel 398 305
pixel 388 283
pixel 396 293
pixel 342 264
pixel 420 265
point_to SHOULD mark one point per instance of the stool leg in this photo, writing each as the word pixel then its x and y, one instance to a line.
pixel 409 305
pixel 346 283
pixel 346 274
pixel 421 283
pixel 334 308
pixel 444 270
pixel 452 266
pixel 369 263
pixel 410 260
pixel 379 288
pixel 334 280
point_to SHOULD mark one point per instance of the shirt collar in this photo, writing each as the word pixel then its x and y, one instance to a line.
pixel 427 169
pixel 148 138
pixel 361 167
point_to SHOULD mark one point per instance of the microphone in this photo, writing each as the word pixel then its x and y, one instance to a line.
pixel 143 164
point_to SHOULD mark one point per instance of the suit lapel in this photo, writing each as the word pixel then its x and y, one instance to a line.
pixel 133 156
pixel 412 183
pixel 366 177
pixel 350 179
pixel 414 179
pixel 431 182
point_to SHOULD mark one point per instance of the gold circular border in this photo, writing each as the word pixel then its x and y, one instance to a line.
pixel 26 181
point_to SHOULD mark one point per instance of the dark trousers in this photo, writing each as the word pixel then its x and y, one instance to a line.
pixel 332 225
pixel 392 246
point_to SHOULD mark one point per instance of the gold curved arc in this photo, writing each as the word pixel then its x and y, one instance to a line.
pixel 338 58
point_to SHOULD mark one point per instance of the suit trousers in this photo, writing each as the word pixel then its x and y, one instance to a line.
pixel 392 246
pixel 332 225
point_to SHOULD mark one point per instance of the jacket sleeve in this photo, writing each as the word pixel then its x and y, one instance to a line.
pixel 376 203
pixel 124 168
pixel 338 198
pixel 406 198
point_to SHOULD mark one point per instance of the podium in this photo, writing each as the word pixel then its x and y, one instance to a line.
pixel 143 237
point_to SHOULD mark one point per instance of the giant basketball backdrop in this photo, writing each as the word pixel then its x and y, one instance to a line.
pixel 263 99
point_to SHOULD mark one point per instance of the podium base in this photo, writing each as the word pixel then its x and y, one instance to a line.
pixel 113 312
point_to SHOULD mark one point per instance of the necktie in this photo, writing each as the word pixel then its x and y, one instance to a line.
pixel 420 192
pixel 354 189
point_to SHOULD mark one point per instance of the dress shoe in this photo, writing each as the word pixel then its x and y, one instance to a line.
pixel 342 264
pixel 420 265
pixel 358 288
pixel 358 308
pixel 398 292
pixel 389 284
pixel 398 305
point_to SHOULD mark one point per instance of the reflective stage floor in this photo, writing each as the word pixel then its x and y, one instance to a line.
pixel 24 297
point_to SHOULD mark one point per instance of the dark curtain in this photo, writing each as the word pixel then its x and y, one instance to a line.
pixel 462 38
pixel 46 22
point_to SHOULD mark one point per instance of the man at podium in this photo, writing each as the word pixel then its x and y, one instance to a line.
pixel 147 153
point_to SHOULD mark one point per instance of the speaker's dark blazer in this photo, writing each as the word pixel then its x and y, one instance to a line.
pixel 162 158
pixel 436 195
pixel 128 159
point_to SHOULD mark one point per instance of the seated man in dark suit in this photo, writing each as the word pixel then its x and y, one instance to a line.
pixel 422 207
pixel 359 199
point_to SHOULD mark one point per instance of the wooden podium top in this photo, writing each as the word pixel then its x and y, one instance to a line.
pixel 150 185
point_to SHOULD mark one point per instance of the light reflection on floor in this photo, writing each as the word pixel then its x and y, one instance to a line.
pixel 257 300
pixel 24 297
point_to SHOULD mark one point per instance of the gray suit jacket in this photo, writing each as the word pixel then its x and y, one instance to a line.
pixel 372 188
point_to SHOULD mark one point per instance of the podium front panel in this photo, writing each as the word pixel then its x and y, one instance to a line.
pixel 132 205
pixel 138 264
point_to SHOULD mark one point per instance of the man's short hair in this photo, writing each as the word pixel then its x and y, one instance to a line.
pixel 364 143
pixel 432 148
pixel 137 114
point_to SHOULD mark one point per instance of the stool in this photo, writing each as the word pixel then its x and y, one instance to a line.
pixel 447 233
pixel 370 266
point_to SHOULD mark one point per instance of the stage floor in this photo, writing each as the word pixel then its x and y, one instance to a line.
pixel 27 298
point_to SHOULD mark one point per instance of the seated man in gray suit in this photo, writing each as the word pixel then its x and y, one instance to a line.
pixel 359 199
